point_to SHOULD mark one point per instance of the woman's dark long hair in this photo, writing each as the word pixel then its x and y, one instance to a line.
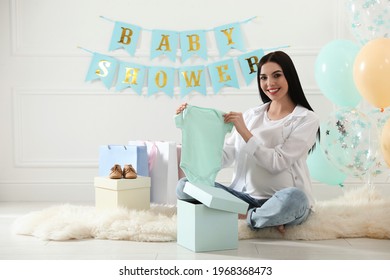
pixel 295 90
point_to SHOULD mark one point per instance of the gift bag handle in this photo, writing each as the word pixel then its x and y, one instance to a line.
pixel 152 156
pixel 109 146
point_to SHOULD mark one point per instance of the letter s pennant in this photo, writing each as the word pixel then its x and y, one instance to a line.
pixel 102 67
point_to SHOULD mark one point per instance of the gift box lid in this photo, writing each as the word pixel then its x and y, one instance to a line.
pixel 122 184
pixel 216 198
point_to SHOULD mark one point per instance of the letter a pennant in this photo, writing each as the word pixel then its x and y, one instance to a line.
pixel 164 42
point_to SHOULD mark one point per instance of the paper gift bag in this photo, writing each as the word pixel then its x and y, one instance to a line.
pixel 137 156
pixel 163 171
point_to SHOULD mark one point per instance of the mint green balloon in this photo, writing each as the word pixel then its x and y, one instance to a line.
pixel 322 170
pixel 334 72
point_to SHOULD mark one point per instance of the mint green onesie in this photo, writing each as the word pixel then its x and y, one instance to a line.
pixel 203 136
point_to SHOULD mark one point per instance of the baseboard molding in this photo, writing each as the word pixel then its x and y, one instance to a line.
pixel 68 192
pixel 64 192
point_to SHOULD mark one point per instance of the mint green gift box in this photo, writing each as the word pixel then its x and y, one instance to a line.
pixel 210 223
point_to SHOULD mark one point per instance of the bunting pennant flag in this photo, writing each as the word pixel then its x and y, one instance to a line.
pixel 125 36
pixel 164 42
pixel 102 67
pixel 222 74
pixel 131 75
pixel 193 43
pixel 192 78
pixel 248 64
pixel 228 37
pixel 161 79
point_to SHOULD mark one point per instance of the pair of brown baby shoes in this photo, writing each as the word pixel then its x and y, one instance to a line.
pixel 128 172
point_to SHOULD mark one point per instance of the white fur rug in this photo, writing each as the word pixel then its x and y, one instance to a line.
pixel 360 212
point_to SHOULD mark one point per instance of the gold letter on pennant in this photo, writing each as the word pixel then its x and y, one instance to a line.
pixel 228 34
pixel 164 79
pixel 193 42
pixel 103 65
pixel 252 61
pixel 192 78
pixel 222 74
pixel 126 36
pixel 131 73
pixel 164 42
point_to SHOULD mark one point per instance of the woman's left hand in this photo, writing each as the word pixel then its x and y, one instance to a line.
pixel 238 121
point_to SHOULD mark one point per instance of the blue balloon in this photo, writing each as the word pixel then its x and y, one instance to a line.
pixel 322 170
pixel 334 72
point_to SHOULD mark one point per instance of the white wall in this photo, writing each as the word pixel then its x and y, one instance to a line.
pixel 52 121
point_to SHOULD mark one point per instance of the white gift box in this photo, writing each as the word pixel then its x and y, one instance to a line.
pixel 211 223
pixel 129 193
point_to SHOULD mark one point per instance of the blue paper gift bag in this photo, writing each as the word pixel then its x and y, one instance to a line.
pixel 137 156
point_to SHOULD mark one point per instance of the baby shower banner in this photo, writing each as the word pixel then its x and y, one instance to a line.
pixel 166 42
pixel 113 72
pixel 162 79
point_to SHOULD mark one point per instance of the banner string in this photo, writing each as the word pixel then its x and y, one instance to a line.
pixel 84 49
pixel 103 17
pixel 276 48
pixel 248 20
pixel 146 29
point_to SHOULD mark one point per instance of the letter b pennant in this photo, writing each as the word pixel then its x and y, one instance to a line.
pixel 125 36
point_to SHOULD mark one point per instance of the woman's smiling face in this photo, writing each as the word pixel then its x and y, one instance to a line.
pixel 273 82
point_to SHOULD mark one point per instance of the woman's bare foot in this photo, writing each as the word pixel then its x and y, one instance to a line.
pixel 281 229
pixel 242 216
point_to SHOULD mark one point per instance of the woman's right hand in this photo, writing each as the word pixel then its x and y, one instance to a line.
pixel 181 108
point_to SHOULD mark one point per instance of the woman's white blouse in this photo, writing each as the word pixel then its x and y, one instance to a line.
pixel 275 157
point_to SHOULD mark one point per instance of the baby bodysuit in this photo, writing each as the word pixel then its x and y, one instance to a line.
pixel 203 135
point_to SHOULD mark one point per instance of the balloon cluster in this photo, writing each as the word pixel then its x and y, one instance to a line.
pixel 354 142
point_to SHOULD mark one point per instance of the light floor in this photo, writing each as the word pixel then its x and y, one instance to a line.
pixel 16 247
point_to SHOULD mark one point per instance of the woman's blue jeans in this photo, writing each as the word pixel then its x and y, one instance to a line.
pixel 288 206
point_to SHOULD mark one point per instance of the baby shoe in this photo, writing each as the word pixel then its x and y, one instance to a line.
pixel 129 172
pixel 116 172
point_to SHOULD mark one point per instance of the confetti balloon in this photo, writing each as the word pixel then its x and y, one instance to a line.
pixel 350 141
pixel 385 142
pixel 369 19
pixel 380 118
